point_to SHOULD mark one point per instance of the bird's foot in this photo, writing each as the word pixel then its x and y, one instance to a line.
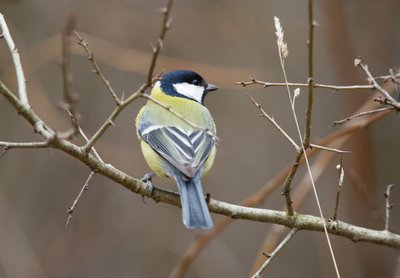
pixel 147 179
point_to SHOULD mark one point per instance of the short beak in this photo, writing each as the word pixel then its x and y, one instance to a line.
pixel 212 87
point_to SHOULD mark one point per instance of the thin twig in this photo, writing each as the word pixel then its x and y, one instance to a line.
pixel 85 187
pixel 19 72
pixel 179 116
pixel 82 133
pixel 364 67
pixel 71 209
pixel 110 121
pixel 23 145
pixel 274 253
pixel 388 205
pixel 97 70
pixel 272 120
pixel 361 114
pixel 266 84
pixel 395 81
pixel 340 169
pixel 166 24
pixel 387 77
pixel 311 25
pixel 329 149
pixel 287 185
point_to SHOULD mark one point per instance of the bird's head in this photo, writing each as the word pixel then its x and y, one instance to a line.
pixel 186 84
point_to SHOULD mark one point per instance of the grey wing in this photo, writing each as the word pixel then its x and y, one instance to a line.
pixel 186 150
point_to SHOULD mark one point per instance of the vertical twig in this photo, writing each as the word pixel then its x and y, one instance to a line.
pixel 388 205
pixel 286 191
pixel 340 169
pixel 395 82
pixel 69 97
pixel 19 72
pixel 167 20
pixel 311 25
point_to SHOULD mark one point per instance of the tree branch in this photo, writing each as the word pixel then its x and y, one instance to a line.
pixel 388 205
pixel 266 84
pixel 97 70
pixel 311 25
pixel 272 120
pixel 19 72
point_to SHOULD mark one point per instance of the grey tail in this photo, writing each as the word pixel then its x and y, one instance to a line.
pixel 195 213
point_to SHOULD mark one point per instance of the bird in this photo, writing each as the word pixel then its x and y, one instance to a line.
pixel 175 147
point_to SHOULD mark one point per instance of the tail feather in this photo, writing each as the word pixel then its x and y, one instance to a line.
pixel 195 213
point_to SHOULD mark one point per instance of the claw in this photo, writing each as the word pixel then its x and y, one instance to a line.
pixel 147 179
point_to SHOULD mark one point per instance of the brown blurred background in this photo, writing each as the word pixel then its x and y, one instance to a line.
pixel 115 233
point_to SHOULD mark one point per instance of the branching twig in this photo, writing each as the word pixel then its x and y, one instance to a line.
pixel 19 72
pixel 138 93
pixel 387 77
pixel 390 99
pixel 272 120
pixel 395 81
pixel 388 205
pixel 273 254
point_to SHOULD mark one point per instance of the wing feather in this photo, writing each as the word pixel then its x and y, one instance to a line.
pixel 186 150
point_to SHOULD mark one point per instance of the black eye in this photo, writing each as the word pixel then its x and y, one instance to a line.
pixel 195 82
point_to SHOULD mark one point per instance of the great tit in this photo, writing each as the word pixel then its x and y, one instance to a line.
pixel 173 148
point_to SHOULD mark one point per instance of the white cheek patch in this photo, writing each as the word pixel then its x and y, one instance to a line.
pixel 191 91
pixel 157 84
